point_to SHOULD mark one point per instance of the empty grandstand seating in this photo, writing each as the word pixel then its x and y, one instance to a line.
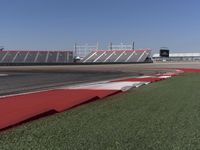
pixel 117 56
pixel 10 56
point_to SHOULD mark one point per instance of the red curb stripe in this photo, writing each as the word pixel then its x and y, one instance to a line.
pixel 19 108
pixel 16 109
pixel 190 70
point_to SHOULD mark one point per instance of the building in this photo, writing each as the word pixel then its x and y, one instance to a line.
pixel 178 57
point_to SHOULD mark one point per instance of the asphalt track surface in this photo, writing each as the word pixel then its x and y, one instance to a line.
pixel 21 79
pixel 26 81
pixel 19 82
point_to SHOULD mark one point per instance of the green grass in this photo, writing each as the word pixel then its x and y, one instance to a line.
pixel 162 115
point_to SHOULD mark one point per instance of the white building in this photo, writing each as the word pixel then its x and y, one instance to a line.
pixel 178 57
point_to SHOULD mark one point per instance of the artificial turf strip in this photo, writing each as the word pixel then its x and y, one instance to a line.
pixel 162 115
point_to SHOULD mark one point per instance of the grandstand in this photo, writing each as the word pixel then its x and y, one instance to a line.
pixel 35 57
pixel 118 56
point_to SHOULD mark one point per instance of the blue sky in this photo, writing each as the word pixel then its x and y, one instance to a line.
pixel 58 24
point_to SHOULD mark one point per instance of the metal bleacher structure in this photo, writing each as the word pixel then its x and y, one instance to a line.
pixel 35 57
pixel 81 54
pixel 83 50
pixel 118 56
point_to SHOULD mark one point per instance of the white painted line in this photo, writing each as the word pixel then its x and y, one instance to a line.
pixel 4 56
pixel 141 56
pixel 36 57
pixel 179 71
pixel 164 77
pixel 57 57
pixel 99 56
pixel 109 56
pixel 130 56
pixel 3 75
pixel 169 74
pixel 119 56
pixel 47 56
pixel 15 56
pixel 90 57
pixel 25 93
pixel 26 57
pixel 146 77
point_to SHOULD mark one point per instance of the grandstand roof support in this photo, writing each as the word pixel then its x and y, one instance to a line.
pixel 75 49
pixel 110 46
pixel 133 46
pixel 97 45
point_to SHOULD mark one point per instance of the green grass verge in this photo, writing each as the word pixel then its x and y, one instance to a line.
pixel 162 115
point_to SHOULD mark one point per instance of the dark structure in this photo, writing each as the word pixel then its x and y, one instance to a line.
pixel 164 52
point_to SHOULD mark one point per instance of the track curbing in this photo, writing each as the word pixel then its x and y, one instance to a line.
pixel 17 109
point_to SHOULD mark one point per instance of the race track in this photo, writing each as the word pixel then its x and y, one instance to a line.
pixel 18 79
pixel 18 82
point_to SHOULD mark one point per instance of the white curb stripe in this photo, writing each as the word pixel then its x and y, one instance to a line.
pixel 179 71
pixel 3 75
pixel 164 77
pixel 110 86
pixel 146 77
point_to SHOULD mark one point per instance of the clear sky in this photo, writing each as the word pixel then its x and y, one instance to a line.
pixel 58 24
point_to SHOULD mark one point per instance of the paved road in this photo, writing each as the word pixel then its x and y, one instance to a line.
pixel 17 82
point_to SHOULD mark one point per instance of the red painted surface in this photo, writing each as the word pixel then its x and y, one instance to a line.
pixel 148 79
pixel 189 70
pixel 16 109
